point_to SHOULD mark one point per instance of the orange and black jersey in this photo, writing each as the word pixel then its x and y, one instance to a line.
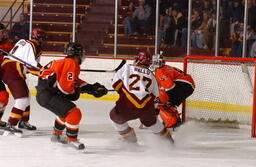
pixel 166 76
pixel 61 74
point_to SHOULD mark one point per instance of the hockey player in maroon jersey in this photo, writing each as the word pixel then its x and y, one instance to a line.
pixel 14 76
pixel 6 45
pixel 138 89
pixel 58 85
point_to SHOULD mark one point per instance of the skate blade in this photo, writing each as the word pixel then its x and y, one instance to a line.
pixel 8 133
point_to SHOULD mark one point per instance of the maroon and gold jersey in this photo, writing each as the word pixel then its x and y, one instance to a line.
pixel 138 84
pixel 26 50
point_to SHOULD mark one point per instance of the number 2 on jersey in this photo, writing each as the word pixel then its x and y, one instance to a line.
pixel 136 78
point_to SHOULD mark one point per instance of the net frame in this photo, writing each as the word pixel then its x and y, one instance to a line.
pixel 227 60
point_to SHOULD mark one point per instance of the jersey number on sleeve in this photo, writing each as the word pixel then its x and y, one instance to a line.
pixel 137 78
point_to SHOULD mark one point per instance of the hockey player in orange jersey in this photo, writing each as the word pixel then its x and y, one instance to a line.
pixel 58 85
pixel 175 86
pixel 14 76
pixel 5 45
pixel 137 88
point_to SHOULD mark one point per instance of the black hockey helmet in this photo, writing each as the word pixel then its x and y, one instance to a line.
pixel 74 50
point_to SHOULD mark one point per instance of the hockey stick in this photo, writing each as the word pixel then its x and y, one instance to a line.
pixel 115 70
pixel 20 60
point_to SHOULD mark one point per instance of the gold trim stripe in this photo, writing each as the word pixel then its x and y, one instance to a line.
pixel 6 61
pixel 118 86
pixel 19 70
pixel 131 99
pixel 219 107
pixel 33 46
pixel 17 116
pixel 26 113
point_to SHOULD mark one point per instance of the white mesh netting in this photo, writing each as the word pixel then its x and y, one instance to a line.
pixel 224 91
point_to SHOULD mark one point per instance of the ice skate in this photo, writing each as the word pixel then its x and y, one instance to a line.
pixel 170 138
pixel 26 125
pixel 58 139
pixel 10 129
pixel 2 124
pixel 76 144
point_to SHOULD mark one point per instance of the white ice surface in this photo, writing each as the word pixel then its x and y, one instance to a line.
pixel 196 144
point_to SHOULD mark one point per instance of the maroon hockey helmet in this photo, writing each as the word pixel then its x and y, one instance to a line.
pixel 38 33
pixel 143 58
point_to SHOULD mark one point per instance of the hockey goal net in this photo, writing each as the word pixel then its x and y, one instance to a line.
pixel 224 90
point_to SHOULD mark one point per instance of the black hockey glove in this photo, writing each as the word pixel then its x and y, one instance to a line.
pixel 88 88
pixel 97 90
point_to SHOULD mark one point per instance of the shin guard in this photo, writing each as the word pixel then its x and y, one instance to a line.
pixel 59 125
pixel 72 123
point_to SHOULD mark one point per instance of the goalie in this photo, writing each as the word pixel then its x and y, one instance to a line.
pixel 58 85
pixel 174 87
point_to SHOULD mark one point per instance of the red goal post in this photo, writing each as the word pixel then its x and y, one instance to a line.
pixel 224 92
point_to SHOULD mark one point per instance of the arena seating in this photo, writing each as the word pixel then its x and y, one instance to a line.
pixel 56 18
pixel 95 28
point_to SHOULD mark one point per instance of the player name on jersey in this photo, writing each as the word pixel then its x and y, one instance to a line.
pixel 142 70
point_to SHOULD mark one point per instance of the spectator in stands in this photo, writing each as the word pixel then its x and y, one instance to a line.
pixel 214 5
pixel 196 22
pixel 198 38
pixel 252 53
pixel 20 30
pixel 251 14
pixel 207 6
pixel 237 14
pixel 237 40
pixel 251 36
pixel 197 4
pixel 164 24
pixel 209 34
pixel 226 9
pixel 128 20
pixel 176 26
pixel 141 17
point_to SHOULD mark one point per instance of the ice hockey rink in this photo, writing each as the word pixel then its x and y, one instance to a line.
pixel 196 144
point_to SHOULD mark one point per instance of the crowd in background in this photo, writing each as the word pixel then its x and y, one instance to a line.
pixel 173 21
